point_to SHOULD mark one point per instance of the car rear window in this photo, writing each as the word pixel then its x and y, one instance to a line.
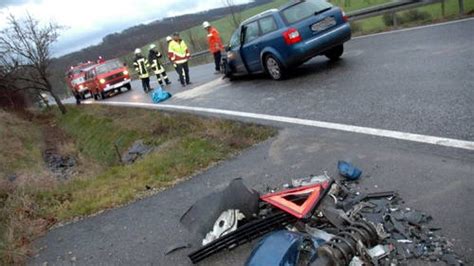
pixel 304 10
pixel 108 66
pixel 267 25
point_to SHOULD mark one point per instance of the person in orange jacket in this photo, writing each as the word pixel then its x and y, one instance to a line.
pixel 215 44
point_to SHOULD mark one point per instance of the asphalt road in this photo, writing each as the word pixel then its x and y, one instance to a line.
pixel 417 81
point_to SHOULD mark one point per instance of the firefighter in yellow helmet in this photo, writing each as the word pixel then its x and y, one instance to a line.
pixel 179 55
pixel 160 72
pixel 141 66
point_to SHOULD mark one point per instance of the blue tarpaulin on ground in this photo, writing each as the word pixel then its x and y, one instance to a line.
pixel 159 95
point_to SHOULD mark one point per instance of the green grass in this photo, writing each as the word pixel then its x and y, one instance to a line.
pixel 376 24
pixel 20 146
pixel 184 145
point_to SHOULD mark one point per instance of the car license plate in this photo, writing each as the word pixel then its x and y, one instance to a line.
pixel 323 24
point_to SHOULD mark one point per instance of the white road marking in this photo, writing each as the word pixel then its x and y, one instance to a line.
pixel 439 141
pixel 413 28
pixel 204 89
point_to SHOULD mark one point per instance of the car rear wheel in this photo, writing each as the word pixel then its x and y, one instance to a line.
pixel 274 68
pixel 335 53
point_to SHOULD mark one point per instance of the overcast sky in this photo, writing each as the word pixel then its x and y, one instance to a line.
pixel 87 21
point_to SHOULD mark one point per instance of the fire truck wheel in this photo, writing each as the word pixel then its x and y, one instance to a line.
pixel 102 95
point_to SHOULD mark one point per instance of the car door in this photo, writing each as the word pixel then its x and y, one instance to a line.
pixel 250 50
pixel 91 84
pixel 234 58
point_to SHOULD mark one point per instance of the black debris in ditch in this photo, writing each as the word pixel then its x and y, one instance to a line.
pixel 336 224
pixel 62 166
pixel 138 150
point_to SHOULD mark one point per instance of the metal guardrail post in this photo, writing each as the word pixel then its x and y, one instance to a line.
pixel 461 7
pixel 395 19
pixel 443 8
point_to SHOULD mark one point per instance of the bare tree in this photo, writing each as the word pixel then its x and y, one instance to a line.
pixel 234 11
pixel 25 47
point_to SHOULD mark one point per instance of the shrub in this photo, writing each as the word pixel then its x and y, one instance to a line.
pixel 415 15
pixel 356 27
pixel 388 19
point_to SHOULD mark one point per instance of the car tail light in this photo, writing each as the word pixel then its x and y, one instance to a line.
pixel 292 36
pixel 344 16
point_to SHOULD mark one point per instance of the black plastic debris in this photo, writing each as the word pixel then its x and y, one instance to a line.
pixel 137 151
pixel 199 219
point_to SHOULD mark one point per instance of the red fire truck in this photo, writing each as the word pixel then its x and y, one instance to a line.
pixel 75 79
pixel 108 77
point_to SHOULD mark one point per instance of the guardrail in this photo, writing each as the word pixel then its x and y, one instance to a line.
pixel 391 7
pixel 378 10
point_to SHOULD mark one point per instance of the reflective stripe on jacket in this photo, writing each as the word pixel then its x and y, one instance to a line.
pixel 178 52
pixel 141 66
pixel 154 58
pixel 214 40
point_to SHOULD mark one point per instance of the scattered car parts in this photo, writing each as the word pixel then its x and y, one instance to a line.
pixel 326 222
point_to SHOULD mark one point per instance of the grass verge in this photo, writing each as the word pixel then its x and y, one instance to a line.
pixel 414 17
pixel 184 145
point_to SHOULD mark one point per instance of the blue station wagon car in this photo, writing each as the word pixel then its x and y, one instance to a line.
pixel 279 39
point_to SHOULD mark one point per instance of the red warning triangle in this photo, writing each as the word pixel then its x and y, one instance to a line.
pixel 285 200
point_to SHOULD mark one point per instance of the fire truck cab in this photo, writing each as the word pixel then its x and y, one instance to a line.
pixel 103 79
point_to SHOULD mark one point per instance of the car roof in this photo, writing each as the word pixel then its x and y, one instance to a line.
pixel 260 15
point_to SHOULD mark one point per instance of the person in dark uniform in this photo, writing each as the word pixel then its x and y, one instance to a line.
pixel 160 72
pixel 141 66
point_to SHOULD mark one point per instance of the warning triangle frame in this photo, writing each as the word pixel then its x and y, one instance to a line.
pixel 315 193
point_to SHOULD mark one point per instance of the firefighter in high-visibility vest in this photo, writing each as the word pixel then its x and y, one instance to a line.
pixel 215 44
pixel 141 66
pixel 168 40
pixel 160 72
pixel 179 55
